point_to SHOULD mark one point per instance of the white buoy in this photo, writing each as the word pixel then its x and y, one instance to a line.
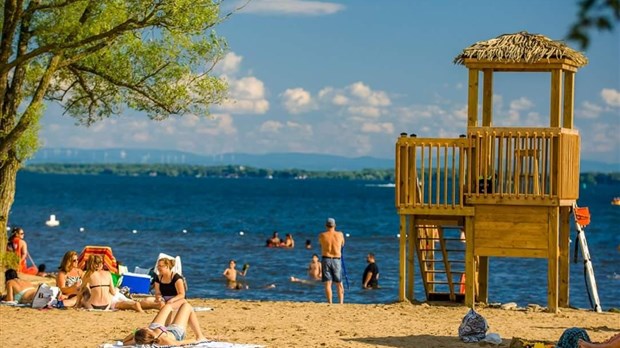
pixel 184 231
pixel 398 235
pixel 241 233
pixel 348 235
pixel 81 229
pixel 134 231
pixel 52 222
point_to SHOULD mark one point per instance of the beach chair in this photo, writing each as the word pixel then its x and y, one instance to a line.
pixel 109 261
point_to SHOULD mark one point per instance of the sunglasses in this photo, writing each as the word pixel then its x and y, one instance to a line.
pixel 74 260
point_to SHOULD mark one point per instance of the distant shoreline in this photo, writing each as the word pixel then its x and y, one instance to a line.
pixel 240 171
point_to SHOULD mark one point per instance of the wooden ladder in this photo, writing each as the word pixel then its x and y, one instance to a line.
pixel 436 256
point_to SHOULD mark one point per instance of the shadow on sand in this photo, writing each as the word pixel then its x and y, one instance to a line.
pixel 419 341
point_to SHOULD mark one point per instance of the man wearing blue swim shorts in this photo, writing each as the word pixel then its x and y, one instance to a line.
pixel 331 242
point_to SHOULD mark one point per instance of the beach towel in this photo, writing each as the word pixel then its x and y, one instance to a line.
pixel 14 304
pixel 570 338
pixel 473 328
pixel 205 344
pixel 109 261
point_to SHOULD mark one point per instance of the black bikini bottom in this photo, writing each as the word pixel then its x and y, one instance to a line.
pixel 100 307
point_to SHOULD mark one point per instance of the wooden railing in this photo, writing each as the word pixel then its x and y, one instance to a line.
pixel 521 163
pixel 491 165
pixel 430 172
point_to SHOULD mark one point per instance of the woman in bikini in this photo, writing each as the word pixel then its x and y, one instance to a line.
pixel 98 284
pixel 98 291
pixel 18 290
pixel 169 286
pixel 173 334
pixel 69 278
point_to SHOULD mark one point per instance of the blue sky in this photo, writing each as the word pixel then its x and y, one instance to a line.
pixel 346 77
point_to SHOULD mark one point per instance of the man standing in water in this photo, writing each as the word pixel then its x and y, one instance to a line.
pixel 332 242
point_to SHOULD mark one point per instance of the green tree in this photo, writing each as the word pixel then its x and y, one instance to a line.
pixel 598 14
pixel 96 57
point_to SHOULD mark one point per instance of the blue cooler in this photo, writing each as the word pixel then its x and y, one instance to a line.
pixel 137 283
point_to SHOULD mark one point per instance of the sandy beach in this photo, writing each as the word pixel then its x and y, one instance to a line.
pixel 294 324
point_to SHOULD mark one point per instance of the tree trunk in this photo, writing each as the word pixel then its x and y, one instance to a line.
pixel 8 175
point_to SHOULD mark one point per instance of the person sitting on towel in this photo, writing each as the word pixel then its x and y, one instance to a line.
pixel 173 334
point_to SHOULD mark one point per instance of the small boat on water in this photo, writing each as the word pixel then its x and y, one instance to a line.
pixel 615 201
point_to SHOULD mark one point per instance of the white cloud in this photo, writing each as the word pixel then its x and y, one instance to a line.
pixel 588 110
pixel 271 126
pixel 246 96
pixel 293 7
pixel 300 129
pixel 229 65
pixel 521 104
pixel 370 97
pixel 297 100
pixel 366 111
pixel 611 97
pixel 223 126
pixel 386 127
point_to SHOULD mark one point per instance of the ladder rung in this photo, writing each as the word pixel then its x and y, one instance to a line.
pixel 437 282
pixel 435 260
pixel 435 271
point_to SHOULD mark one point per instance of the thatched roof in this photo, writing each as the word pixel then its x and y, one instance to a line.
pixel 521 47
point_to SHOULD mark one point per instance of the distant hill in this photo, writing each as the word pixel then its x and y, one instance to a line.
pixel 276 161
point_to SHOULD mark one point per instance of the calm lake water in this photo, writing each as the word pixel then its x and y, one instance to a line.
pixel 201 220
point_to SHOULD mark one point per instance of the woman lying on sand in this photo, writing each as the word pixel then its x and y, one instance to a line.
pixel 18 290
pixel 174 334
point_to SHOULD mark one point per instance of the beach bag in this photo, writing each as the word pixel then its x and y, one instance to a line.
pixel 45 296
pixel 473 328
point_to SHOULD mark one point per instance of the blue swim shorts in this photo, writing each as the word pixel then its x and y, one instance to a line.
pixel 332 270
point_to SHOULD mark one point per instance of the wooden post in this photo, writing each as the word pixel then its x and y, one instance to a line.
pixel 487 99
pixel 469 262
pixel 569 99
pixel 564 264
pixel 402 257
pixel 553 256
pixel 472 99
pixel 483 279
pixel 412 239
pixel 556 98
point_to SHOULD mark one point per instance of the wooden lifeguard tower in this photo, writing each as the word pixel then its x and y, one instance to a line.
pixel 509 189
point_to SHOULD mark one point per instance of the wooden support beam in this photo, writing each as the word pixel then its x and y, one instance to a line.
pixel 556 98
pixel 412 239
pixel 564 263
pixel 483 279
pixel 487 99
pixel 402 258
pixel 469 262
pixel 569 100
pixel 472 99
pixel 553 256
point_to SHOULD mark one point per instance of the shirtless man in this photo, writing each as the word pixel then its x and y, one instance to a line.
pixel 331 242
